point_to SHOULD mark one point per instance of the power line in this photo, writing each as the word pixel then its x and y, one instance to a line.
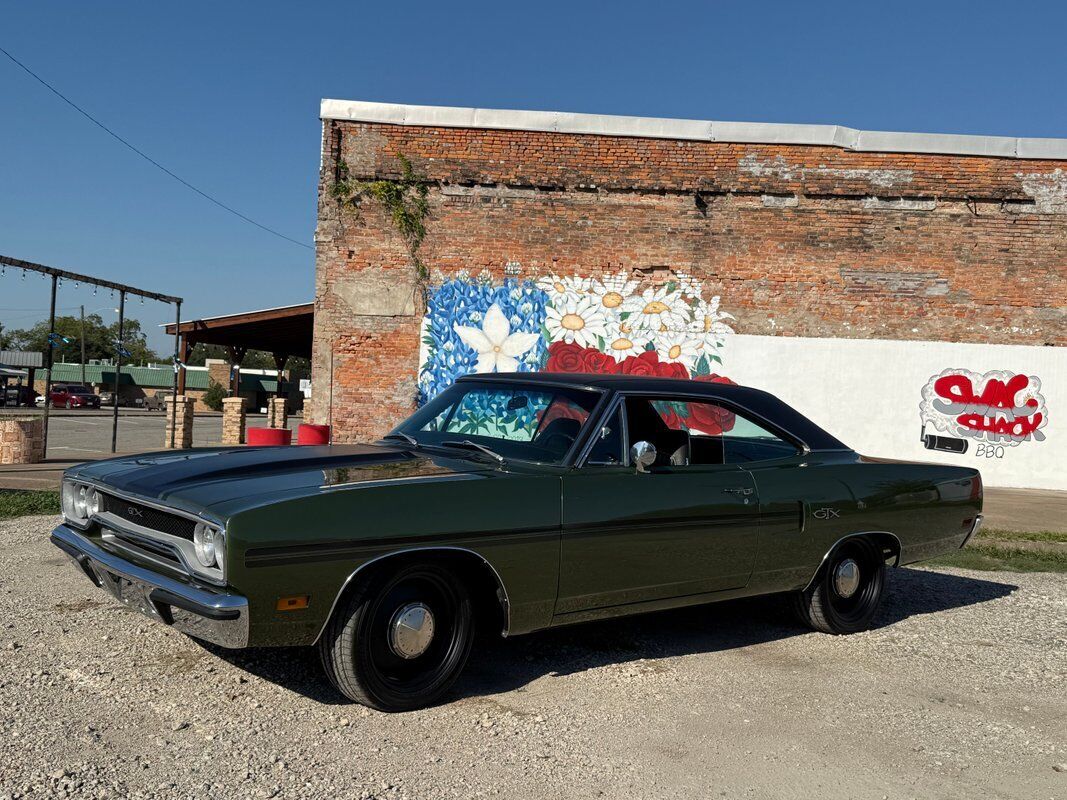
pixel 144 155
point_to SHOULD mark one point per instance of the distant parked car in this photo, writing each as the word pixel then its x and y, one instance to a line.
pixel 74 396
pixel 106 399
pixel 157 401
pixel 17 396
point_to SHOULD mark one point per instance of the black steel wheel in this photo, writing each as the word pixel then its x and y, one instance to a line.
pixel 400 642
pixel 847 592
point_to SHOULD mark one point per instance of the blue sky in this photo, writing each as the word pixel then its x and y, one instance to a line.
pixel 227 96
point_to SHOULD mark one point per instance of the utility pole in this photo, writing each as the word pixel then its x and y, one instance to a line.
pixel 83 344
pixel 118 371
pixel 50 358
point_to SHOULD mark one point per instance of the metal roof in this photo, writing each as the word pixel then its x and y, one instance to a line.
pixel 285 330
pixel 154 377
pixel 21 358
pixel 697 130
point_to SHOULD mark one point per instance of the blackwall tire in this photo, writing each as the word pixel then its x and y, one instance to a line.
pixel 363 657
pixel 824 605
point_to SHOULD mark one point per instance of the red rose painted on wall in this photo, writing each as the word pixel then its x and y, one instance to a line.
pixel 647 363
pixel 570 357
pixel 709 418
pixel 564 357
pixel 595 361
pixel 672 369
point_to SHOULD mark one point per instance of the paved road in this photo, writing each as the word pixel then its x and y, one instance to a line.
pixel 77 436
pixel 87 434
pixel 956 693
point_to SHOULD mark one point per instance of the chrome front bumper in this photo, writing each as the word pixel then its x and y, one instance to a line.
pixel 202 613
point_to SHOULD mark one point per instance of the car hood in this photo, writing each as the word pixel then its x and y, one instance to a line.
pixel 228 479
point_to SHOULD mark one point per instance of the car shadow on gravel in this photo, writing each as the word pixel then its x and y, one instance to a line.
pixel 499 666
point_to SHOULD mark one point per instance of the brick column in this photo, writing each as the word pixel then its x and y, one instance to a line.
pixel 233 420
pixel 21 440
pixel 183 421
pixel 277 417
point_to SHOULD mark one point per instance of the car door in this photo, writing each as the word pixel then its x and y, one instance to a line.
pixel 677 530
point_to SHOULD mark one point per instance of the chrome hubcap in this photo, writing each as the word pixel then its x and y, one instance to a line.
pixel 411 630
pixel 847 578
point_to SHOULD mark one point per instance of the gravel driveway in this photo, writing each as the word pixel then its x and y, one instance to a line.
pixel 961 692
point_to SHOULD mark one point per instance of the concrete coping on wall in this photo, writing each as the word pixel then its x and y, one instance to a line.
pixel 695 130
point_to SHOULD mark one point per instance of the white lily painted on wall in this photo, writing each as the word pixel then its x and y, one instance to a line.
pixel 497 347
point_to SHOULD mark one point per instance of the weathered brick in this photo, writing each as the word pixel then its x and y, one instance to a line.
pixel 798 240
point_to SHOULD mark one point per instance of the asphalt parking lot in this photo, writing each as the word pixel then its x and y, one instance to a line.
pixel 956 693
pixel 86 434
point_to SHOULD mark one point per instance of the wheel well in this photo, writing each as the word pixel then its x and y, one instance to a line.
pixel 488 595
pixel 887 542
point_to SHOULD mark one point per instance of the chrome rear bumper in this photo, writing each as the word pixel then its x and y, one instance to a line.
pixel 974 529
pixel 205 614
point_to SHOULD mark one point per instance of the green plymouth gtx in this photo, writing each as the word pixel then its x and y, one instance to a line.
pixel 509 503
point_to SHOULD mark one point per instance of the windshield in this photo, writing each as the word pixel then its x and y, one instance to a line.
pixel 529 422
pixel 77 390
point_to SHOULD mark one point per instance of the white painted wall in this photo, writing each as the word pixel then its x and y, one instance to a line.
pixel 867 392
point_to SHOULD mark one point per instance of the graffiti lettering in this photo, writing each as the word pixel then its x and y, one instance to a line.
pixel 997 407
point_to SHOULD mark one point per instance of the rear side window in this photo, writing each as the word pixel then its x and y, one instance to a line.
pixel 702 433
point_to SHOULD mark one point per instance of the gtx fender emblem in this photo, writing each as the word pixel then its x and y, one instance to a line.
pixel 826 513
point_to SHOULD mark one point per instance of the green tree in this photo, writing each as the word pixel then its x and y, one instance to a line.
pixel 212 398
pixel 100 339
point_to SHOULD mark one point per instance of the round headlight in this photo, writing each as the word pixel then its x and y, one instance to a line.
pixel 220 549
pixel 92 503
pixel 69 490
pixel 204 544
pixel 80 496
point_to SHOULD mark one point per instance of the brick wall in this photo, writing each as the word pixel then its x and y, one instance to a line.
pixel 798 240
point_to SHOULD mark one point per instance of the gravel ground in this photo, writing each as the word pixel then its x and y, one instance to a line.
pixel 959 692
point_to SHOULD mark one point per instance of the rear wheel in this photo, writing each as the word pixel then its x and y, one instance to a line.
pixel 400 642
pixel 845 596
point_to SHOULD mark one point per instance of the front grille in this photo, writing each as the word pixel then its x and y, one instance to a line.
pixel 127 544
pixel 148 517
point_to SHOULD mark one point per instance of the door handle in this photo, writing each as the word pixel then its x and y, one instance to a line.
pixel 739 490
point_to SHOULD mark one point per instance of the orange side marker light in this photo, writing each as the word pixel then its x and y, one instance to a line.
pixel 293 603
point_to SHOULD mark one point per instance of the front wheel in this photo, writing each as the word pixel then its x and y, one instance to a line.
pixel 400 642
pixel 845 596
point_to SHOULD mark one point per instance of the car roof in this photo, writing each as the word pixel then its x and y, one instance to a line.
pixel 760 403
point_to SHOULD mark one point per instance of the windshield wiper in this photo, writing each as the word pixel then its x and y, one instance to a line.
pixel 405 436
pixel 475 446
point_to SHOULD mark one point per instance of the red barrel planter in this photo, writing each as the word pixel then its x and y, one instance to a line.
pixel 268 436
pixel 312 434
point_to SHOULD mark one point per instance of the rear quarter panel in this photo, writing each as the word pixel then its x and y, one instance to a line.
pixel 810 503
pixel 312 544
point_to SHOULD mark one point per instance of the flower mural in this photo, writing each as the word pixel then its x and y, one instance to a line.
pixel 605 324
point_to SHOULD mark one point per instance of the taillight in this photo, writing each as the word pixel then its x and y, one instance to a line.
pixel 976 486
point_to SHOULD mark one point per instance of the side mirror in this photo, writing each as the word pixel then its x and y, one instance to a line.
pixel 643 455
